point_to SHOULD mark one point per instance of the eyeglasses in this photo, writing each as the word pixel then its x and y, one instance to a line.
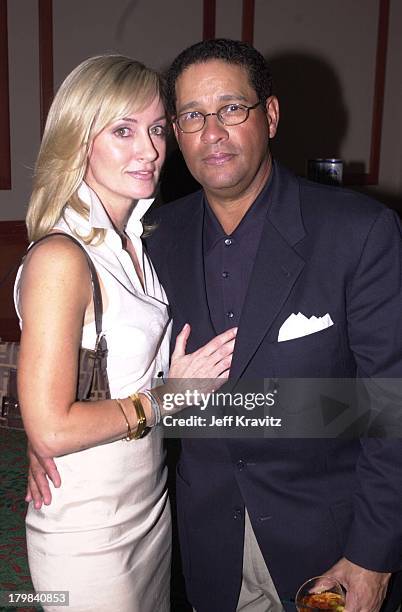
pixel 230 114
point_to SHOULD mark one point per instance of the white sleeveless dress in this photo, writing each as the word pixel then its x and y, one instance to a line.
pixel 106 537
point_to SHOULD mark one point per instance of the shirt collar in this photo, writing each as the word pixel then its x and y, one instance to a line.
pixel 99 219
pixel 254 217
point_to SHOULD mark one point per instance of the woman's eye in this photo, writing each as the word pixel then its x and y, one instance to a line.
pixel 233 108
pixel 158 130
pixel 123 132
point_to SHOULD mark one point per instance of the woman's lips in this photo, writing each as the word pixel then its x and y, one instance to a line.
pixel 142 175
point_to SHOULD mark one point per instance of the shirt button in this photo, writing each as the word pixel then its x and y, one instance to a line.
pixel 225 274
pixel 230 314
pixel 228 241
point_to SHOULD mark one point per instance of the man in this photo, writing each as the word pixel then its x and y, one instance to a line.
pixel 257 517
pixel 254 247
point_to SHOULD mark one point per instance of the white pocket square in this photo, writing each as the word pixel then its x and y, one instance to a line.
pixel 298 325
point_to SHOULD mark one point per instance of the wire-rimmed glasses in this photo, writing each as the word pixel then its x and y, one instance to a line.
pixel 230 114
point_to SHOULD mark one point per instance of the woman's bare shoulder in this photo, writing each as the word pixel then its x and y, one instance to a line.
pixel 56 254
pixel 56 266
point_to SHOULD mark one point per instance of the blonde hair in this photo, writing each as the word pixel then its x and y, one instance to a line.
pixel 96 93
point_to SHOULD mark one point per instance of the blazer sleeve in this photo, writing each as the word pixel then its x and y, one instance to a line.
pixel 375 333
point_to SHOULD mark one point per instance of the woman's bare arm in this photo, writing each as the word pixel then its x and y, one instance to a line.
pixel 55 297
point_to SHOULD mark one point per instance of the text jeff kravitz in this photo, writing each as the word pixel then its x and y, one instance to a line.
pixel 225 421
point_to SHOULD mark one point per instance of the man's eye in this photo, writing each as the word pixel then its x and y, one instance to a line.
pixel 122 132
pixel 158 130
pixel 233 108
pixel 192 116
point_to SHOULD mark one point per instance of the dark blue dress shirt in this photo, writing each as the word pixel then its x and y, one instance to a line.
pixel 229 260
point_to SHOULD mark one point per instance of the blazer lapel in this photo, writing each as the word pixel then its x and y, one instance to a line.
pixel 189 294
pixel 276 269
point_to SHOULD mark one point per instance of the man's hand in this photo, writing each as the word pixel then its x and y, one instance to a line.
pixel 40 470
pixel 365 589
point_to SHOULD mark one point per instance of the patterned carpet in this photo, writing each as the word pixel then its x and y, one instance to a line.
pixel 14 573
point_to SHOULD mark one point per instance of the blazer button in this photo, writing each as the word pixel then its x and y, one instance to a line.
pixel 240 465
pixel 237 514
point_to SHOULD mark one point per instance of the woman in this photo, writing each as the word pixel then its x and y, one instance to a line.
pixel 105 537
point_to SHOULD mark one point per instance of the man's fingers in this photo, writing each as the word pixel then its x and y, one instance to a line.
pixel 328 581
pixel 365 589
pixel 350 604
pixel 181 342
pixel 355 602
pixel 28 495
pixel 40 469
pixel 51 470
pixel 40 489
pixel 36 496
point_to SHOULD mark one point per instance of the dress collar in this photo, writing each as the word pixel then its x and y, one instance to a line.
pixel 99 219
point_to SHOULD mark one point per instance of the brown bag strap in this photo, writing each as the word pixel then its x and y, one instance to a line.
pixel 96 290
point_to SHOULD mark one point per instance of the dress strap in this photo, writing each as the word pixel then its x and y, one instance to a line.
pixel 96 290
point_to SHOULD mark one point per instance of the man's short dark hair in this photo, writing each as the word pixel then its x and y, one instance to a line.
pixel 230 51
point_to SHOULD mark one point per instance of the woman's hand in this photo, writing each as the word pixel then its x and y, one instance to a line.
pixel 210 361
pixel 203 371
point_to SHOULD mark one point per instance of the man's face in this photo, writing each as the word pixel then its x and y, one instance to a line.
pixel 228 161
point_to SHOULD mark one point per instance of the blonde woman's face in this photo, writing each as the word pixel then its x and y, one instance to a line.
pixel 127 156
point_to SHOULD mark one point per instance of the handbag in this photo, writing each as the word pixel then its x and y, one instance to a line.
pixel 92 379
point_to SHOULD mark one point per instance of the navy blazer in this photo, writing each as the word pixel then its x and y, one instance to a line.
pixel 311 501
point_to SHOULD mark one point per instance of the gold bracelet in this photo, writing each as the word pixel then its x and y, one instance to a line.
pixel 130 433
pixel 141 418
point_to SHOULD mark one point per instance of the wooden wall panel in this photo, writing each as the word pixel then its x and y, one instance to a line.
pixel 45 13
pixel 209 19
pixel 45 37
pixel 247 28
pixel 13 244
pixel 5 153
pixel 372 175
